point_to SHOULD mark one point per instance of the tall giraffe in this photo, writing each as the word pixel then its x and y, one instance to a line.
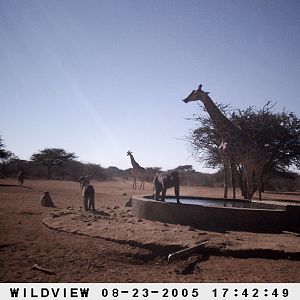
pixel 236 146
pixel 138 171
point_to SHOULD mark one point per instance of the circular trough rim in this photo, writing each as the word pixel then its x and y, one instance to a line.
pixel 273 207
pixel 211 217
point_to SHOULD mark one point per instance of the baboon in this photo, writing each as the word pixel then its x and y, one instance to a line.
pixel 89 197
pixel 84 181
pixel 20 177
pixel 46 200
pixel 164 181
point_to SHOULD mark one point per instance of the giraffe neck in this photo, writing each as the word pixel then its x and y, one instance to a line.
pixel 133 162
pixel 224 126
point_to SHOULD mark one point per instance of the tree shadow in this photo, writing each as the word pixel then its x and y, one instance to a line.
pixel 9 185
pixel 15 185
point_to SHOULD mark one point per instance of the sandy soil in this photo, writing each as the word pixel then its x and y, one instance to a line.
pixel 111 245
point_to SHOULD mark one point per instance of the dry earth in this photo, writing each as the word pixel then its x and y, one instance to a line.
pixel 111 245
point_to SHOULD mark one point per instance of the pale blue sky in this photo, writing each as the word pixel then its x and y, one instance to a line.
pixel 101 77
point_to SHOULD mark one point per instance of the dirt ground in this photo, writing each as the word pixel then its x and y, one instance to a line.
pixel 111 245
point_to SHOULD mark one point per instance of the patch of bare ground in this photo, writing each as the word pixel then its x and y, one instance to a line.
pixel 113 246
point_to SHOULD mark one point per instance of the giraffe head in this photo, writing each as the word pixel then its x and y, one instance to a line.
pixel 129 152
pixel 196 95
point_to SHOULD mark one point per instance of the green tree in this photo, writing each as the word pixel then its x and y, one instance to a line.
pixel 278 133
pixel 52 158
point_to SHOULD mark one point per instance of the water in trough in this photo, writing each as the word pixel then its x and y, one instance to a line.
pixel 213 202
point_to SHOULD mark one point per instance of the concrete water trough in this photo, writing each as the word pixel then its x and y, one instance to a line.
pixel 216 213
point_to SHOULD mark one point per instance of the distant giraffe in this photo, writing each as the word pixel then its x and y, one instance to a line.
pixel 138 171
pixel 20 177
pixel 236 146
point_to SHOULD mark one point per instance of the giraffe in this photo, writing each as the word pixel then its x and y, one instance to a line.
pixel 138 171
pixel 236 146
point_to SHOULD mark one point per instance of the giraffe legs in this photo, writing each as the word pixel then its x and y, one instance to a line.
pixel 249 181
pixel 226 170
pixel 233 177
pixel 134 182
pixel 137 176
pixel 142 185
pixel 229 169
pixel 226 165
pixel 258 177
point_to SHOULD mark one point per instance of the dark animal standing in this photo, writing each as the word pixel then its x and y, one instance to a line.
pixel 89 197
pixel 20 177
pixel 164 181
pixel 46 200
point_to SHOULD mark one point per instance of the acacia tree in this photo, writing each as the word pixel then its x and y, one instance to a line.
pixel 7 160
pixel 52 158
pixel 3 152
pixel 277 134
